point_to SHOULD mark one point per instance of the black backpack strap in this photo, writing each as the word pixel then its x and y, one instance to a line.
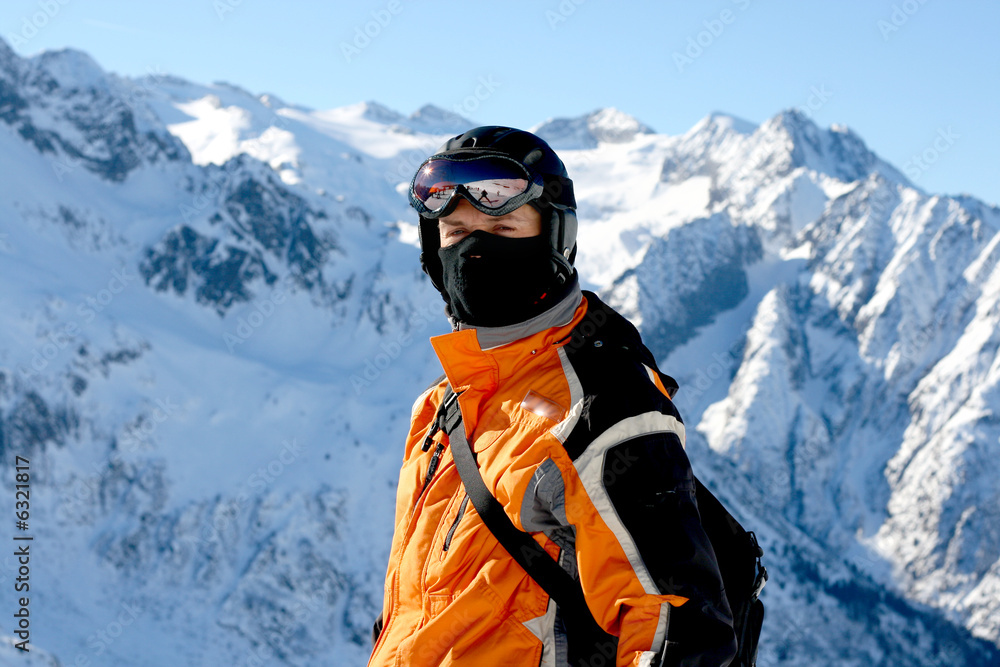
pixel 587 639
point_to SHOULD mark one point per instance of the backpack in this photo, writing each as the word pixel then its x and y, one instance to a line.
pixel 743 573
pixel 737 553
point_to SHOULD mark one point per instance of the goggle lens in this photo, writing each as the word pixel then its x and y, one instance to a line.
pixel 490 182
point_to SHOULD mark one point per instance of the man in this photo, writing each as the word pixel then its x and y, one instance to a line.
pixel 573 433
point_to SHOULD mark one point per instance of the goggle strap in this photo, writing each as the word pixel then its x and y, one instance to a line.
pixel 558 192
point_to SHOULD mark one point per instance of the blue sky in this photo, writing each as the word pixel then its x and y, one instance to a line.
pixel 904 74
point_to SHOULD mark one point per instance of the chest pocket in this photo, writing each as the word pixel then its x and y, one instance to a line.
pixel 504 451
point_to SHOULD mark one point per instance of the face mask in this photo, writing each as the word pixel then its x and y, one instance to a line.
pixel 494 281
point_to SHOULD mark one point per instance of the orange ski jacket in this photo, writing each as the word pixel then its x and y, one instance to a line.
pixel 575 436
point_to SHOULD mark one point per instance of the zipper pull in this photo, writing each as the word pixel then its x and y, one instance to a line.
pixel 429 439
pixel 432 468
pixel 435 460
pixel 438 422
pixel 435 427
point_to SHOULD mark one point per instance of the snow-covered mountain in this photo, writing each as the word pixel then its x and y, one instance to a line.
pixel 213 324
pixel 602 126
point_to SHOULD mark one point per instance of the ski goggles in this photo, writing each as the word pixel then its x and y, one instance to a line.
pixel 494 184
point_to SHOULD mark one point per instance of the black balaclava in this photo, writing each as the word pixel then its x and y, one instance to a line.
pixel 494 281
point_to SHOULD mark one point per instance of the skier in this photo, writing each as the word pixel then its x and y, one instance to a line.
pixel 567 425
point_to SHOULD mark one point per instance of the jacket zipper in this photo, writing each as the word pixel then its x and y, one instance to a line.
pixel 436 426
pixel 454 525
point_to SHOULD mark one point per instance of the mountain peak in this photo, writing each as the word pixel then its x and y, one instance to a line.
pixel 603 126
pixel 435 120
pixel 836 151
pixel 793 117
pixel 272 101
pixel 64 104
pixel 718 121
pixel 71 68
pixel 379 113
pixel 609 125
pixel 429 119
pixel 239 90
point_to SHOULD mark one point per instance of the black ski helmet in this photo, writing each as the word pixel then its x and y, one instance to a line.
pixel 557 203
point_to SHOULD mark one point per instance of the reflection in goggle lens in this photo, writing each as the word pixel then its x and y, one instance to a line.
pixel 491 182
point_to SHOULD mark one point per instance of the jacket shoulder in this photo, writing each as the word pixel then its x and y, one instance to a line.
pixel 426 393
pixel 616 375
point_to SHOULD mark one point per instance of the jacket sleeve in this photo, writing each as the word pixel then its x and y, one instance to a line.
pixel 645 563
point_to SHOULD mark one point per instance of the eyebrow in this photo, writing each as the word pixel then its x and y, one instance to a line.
pixel 499 218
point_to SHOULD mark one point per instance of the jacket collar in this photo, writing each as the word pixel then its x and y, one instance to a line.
pixel 559 314
pixel 478 357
